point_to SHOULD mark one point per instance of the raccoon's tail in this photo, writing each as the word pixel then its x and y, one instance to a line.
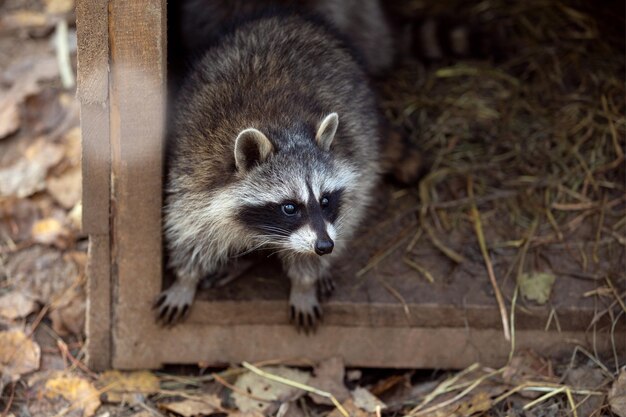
pixel 446 38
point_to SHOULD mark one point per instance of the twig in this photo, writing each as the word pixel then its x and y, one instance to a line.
pixel 398 296
pixel 9 403
pixel 419 269
pixel 443 387
pixel 457 397
pixel 513 303
pixel 596 243
pixel 475 215
pixel 614 291
pixel 298 385
pixel 63 54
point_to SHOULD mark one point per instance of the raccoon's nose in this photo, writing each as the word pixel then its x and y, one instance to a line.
pixel 323 247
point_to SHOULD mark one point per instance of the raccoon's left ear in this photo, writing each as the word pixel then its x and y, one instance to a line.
pixel 251 147
pixel 326 131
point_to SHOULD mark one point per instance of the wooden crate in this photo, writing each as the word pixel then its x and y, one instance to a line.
pixel 388 316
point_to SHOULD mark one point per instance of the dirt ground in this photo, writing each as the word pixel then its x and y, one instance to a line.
pixel 541 196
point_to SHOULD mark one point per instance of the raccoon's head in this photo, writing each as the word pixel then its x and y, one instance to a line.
pixel 292 190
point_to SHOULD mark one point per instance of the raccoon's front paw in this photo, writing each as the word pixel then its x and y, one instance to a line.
pixel 306 312
pixel 325 287
pixel 173 304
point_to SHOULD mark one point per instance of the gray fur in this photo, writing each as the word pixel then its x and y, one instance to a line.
pixel 362 21
pixel 284 77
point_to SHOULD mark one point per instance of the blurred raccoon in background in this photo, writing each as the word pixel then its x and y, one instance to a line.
pixel 195 25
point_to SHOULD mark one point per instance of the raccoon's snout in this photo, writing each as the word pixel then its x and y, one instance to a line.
pixel 324 246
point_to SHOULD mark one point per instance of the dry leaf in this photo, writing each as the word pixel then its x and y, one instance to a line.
pixel 203 405
pixel 478 403
pixel 27 176
pixel 48 231
pixel 73 148
pixel 617 395
pixel 66 188
pixel 80 393
pixel 536 286
pixel 266 391
pixel 329 376
pixel 43 273
pixel 587 376
pixel 75 216
pixel 365 400
pixel 59 6
pixel 527 365
pixel 68 316
pixel 128 387
pixel 23 19
pixel 9 119
pixel 15 305
pixel 18 354
pixel 352 410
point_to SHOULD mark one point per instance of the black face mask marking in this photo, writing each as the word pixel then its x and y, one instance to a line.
pixel 270 219
pixel 331 211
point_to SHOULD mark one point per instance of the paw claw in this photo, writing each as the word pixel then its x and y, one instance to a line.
pixel 173 304
pixel 308 320
pixel 158 302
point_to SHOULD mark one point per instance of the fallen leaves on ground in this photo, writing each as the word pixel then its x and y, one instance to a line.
pixel 16 305
pixel 256 393
pixel 19 355
pixel 66 188
pixel 366 401
pixel 68 313
pixel 127 387
pixel 66 394
pixel 617 395
pixel 352 410
pixel 28 174
pixel 9 119
pixel 329 376
pixel 43 273
pixel 50 231
pixel 196 405
pixel 59 6
pixel 536 286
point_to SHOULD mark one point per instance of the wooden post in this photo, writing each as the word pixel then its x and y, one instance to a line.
pixel 122 89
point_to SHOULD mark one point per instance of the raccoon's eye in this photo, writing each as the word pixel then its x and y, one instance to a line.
pixel 324 202
pixel 289 209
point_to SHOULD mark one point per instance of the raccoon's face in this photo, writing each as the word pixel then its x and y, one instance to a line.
pixel 293 199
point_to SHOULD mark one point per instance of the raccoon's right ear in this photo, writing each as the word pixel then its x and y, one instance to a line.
pixel 326 131
pixel 251 147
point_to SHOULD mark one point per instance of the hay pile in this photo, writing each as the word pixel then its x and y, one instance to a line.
pixel 540 136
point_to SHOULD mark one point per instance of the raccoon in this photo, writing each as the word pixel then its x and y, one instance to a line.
pixel 274 145
pixel 363 21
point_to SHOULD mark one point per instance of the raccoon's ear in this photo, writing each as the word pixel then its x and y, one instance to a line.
pixel 251 147
pixel 326 131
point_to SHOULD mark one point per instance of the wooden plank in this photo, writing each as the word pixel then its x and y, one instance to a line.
pixel 138 49
pixel 93 93
pixel 99 303
pixel 261 296
pixel 447 348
